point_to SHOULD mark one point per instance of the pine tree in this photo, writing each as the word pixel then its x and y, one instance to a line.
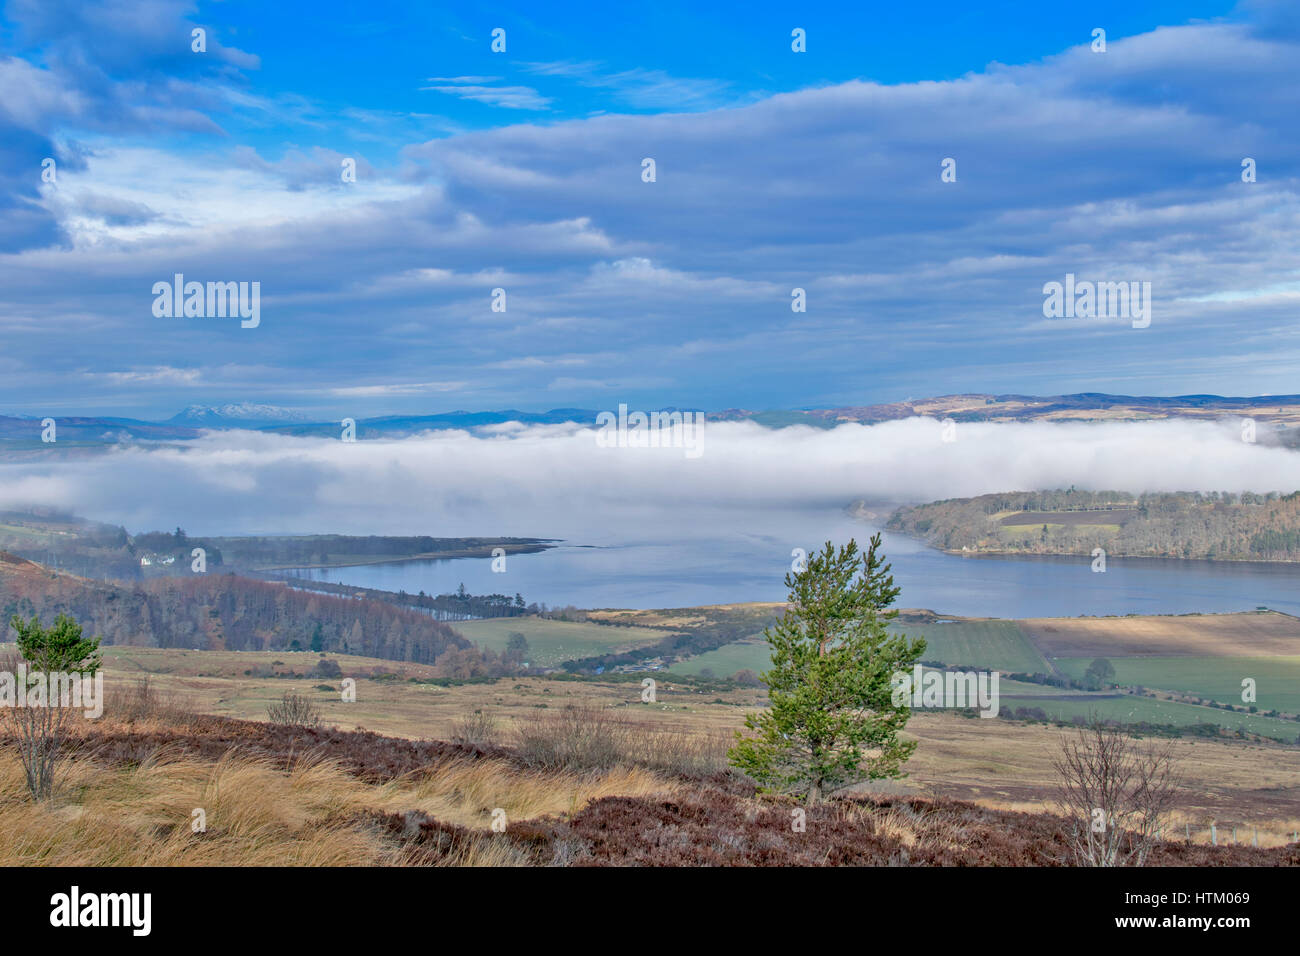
pixel 831 721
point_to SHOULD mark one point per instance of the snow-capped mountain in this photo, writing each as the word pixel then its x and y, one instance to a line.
pixel 237 415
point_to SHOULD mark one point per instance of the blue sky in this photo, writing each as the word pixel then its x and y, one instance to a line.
pixel 522 170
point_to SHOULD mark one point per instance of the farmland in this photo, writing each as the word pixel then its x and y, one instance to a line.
pixel 1126 708
pixel 754 655
pixel 1000 645
pixel 982 643
pixel 1252 634
pixel 1188 661
pixel 1277 679
pixel 553 642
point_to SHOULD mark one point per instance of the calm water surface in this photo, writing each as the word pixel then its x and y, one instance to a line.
pixel 642 570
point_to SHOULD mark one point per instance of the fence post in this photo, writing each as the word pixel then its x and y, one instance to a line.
pixel 1188 828
pixel 1214 835
pixel 1255 840
pixel 1235 841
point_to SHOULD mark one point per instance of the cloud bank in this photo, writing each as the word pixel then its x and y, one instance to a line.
pixel 556 481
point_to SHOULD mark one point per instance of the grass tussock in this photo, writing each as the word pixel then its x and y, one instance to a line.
pixel 142 815
pixel 315 813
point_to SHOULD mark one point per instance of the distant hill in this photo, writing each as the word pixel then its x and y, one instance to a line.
pixel 1282 411
pixel 240 415
pixel 74 429
pixel 1083 406
pixel 1216 526
pixel 392 426
pixel 223 612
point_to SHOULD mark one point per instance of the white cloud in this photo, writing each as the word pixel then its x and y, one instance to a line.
pixel 554 480
pixel 478 89
pixel 397 388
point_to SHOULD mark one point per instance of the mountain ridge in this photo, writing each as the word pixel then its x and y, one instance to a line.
pixel 967 407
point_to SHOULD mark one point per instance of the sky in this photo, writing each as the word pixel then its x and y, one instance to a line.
pixel 522 170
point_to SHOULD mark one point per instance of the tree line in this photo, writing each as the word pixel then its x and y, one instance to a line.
pixel 230 612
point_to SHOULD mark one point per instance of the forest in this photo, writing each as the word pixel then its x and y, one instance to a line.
pixel 1218 525
pixel 457 606
pixel 217 611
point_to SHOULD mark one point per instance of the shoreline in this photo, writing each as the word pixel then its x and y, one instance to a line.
pixel 1110 555
pixel 484 552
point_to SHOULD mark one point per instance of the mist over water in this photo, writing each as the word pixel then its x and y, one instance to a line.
pixel 654 528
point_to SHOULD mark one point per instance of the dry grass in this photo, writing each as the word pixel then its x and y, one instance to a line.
pixel 465 792
pixel 314 814
pixel 588 736
pixel 142 816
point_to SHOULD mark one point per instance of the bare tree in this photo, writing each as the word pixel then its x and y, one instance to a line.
pixel 38 733
pixel 1114 793
pixel 46 661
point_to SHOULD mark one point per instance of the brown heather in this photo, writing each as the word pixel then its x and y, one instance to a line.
pixel 276 795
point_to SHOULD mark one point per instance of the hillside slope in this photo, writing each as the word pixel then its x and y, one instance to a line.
pixel 223 612
pixel 1218 526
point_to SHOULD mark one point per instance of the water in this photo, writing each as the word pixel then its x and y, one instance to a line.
pixel 718 567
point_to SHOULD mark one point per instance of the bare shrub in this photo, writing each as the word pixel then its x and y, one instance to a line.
pixel 143 701
pixel 1114 794
pixel 294 710
pixel 478 729
pixel 589 737
pixel 680 751
pixel 574 738
pixel 40 734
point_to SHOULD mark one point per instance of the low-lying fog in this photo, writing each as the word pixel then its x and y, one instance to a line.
pixel 557 481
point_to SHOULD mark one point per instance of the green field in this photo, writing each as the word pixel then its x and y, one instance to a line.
pixel 1129 709
pixel 553 642
pixel 997 645
pixel 1277 679
pixel 19 531
pixel 726 660
pixel 1000 645
pixel 1025 530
